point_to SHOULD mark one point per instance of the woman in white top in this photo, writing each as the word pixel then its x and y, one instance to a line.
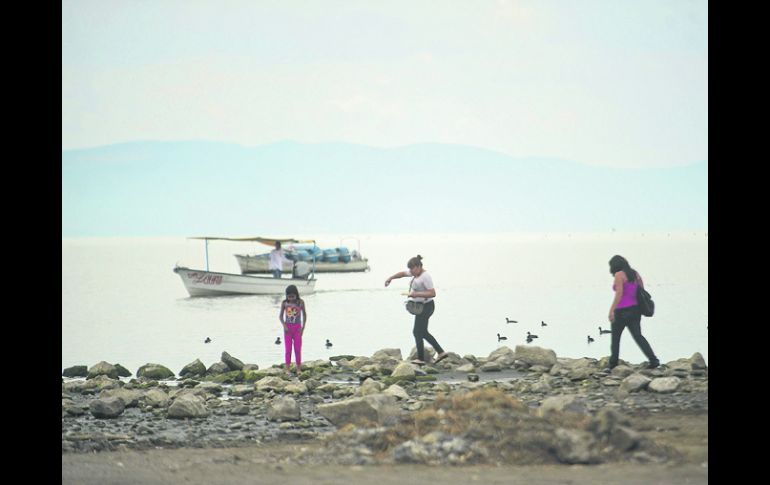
pixel 421 289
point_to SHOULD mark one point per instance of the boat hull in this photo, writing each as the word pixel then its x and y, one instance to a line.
pixel 209 283
pixel 256 265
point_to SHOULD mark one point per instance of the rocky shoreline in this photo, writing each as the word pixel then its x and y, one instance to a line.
pixel 523 406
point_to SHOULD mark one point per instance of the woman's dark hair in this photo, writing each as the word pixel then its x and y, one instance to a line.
pixel 278 246
pixel 415 261
pixel 292 290
pixel 619 263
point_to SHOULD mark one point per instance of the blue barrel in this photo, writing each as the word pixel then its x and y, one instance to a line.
pixel 331 255
pixel 303 255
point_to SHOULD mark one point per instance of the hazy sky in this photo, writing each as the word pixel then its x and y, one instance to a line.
pixel 621 83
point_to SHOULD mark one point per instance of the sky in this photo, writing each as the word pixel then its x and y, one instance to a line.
pixel 619 84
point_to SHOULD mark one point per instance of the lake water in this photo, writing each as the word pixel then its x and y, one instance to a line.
pixel 122 303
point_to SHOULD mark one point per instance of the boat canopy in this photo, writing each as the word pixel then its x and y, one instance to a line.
pixel 269 241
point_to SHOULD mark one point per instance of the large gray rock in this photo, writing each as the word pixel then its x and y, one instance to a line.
pixel 188 406
pixel 283 409
pixel 577 369
pixel 360 410
pixel 156 398
pixel 209 387
pixel 75 371
pixel 100 382
pixel 635 382
pixel 624 439
pixel 388 365
pixel 296 388
pixel 396 391
pixel 622 371
pixel 430 354
pixel 315 364
pixel 562 403
pixel 270 384
pixel 242 389
pixel 327 388
pixel 452 360
pixel 470 358
pixel 154 371
pixel 129 397
pixel 232 362
pixel 370 369
pixel 466 368
pixel 195 368
pixel 490 367
pixel 698 362
pixel 534 355
pixel 576 446
pixel 103 369
pixel 107 408
pixel 664 385
pixel 503 356
pixel 359 362
pixel 217 368
pixel 435 448
pixel 122 371
pixel 605 422
pixel 370 386
pixel 404 370
pixel 386 354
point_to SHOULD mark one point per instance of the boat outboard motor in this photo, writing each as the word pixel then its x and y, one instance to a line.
pixel 301 270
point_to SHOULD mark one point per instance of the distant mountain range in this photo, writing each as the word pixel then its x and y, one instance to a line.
pixel 187 188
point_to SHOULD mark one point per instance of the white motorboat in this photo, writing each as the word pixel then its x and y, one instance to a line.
pixel 200 282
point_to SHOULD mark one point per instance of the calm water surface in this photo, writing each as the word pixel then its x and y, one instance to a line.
pixel 122 303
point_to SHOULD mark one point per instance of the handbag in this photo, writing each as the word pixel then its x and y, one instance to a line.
pixel 644 300
pixel 414 307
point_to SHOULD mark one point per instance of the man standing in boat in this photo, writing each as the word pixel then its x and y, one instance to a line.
pixel 277 259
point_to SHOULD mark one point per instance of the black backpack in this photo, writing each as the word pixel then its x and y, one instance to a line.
pixel 643 298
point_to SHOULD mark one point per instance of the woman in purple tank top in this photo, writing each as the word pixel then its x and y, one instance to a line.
pixel 625 312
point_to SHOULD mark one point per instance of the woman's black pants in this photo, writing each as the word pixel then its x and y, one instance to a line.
pixel 630 317
pixel 420 331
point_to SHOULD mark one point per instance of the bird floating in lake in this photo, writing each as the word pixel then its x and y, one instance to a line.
pixel 499 338
pixel 278 341
pixel 543 324
pixel 510 321
pixel 529 340
pixel 531 335
pixel 207 340
pixel 590 339
pixel 328 344
pixel 601 332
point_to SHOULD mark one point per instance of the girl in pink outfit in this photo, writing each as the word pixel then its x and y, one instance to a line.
pixel 293 317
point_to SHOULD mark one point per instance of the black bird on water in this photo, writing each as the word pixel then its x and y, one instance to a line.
pixel 529 340
pixel 510 321
pixel 590 339
pixel 543 324
pixel 328 344
pixel 602 332
pixel 207 340
pixel 278 341
pixel 499 338
pixel 530 336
